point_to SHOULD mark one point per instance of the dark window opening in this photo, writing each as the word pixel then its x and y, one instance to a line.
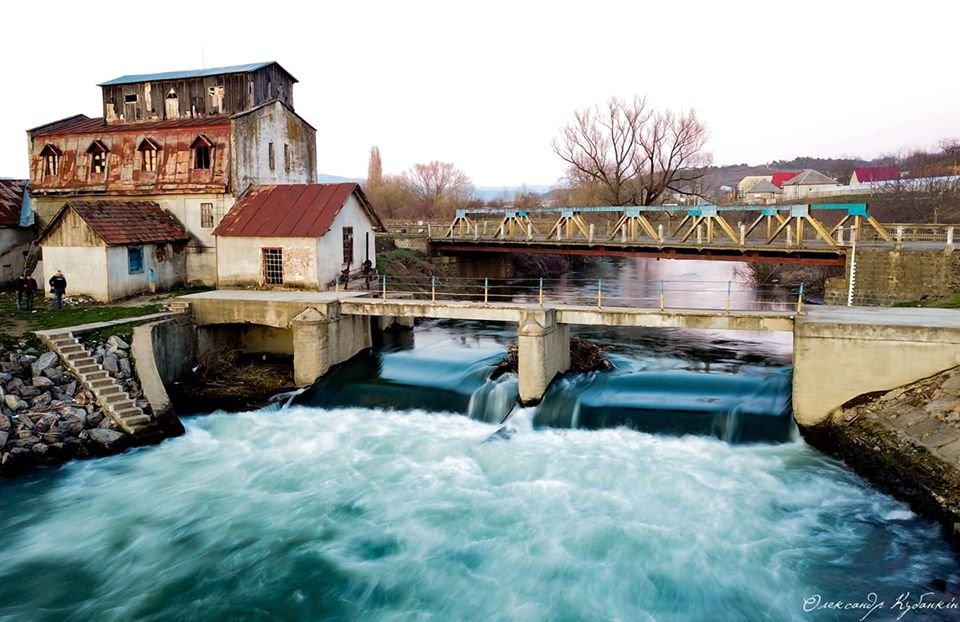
pixel 271 159
pixel 273 266
pixel 347 245
pixel 135 259
pixel 202 146
pixel 130 98
pixel 286 157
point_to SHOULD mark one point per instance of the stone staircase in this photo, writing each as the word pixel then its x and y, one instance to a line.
pixel 116 403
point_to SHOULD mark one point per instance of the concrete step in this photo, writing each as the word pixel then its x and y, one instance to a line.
pixel 101 384
pixel 109 391
pixel 88 368
pixel 134 417
pixel 69 348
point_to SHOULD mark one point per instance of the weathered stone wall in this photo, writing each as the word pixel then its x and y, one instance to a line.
pixel 887 276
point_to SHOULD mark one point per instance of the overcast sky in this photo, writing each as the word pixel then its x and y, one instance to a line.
pixel 486 85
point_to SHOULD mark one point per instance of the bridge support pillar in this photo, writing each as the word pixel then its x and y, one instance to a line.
pixel 323 338
pixel 543 352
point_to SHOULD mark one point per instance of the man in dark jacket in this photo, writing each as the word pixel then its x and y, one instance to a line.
pixel 58 285
pixel 30 289
pixel 20 286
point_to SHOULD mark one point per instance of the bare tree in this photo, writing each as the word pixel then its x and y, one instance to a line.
pixel 374 169
pixel 630 154
pixel 437 187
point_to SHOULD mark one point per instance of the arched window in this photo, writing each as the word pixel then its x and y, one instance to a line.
pixel 148 149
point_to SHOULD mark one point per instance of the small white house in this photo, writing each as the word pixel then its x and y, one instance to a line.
pixel 807 182
pixel 295 235
pixel 113 249
pixel 16 227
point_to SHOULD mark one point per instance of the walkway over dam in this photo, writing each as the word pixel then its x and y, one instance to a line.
pixel 839 353
pixel 820 234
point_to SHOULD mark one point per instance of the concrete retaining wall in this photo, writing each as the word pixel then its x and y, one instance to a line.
pixel 887 276
pixel 163 352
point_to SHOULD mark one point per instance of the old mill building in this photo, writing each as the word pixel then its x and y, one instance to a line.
pixel 187 142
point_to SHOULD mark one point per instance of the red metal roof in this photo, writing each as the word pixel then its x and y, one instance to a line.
pixel 81 124
pixel 876 173
pixel 120 223
pixel 11 200
pixel 290 210
pixel 782 177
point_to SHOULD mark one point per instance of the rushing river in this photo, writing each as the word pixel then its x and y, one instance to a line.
pixel 386 492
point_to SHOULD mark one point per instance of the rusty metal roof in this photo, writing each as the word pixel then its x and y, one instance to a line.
pixel 122 223
pixel 11 201
pixel 290 210
pixel 191 73
pixel 81 124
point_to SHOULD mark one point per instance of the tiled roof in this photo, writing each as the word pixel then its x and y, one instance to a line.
pixel 81 124
pixel 120 223
pixel 810 177
pixel 11 201
pixel 781 177
pixel 867 174
pixel 189 73
pixel 290 210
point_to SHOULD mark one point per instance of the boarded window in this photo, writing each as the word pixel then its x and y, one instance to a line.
pixel 148 155
pixel 272 266
pixel 51 160
pixel 270 157
pixel 206 215
pixel 135 259
pixel 98 157
pixel 347 245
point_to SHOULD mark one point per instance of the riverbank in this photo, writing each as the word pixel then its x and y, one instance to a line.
pixel 906 442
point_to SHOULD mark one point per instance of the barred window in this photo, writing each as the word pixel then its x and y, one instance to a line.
pixel 206 215
pixel 272 266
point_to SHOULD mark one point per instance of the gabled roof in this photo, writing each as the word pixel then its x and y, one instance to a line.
pixel 810 177
pixel 867 174
pixel 11 201
pixel 291 210
pixel 191 73
pixel 781 177
pixel 122 223
pixel 764 186
pixel 747 182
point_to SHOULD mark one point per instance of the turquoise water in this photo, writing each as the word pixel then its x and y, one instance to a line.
pixel 391 491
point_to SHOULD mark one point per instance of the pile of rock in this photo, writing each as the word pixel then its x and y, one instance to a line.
pixel 114 355
pixel 45 417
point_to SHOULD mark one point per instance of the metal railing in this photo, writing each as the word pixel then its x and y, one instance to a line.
pixel 663 295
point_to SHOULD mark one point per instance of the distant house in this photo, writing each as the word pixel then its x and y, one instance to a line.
pixel 873 174
pixel 114 249
pixel 744 185
pixel 16 227
pixel 295 235
pixel 806 182
pixel 762 193
pixel 781 177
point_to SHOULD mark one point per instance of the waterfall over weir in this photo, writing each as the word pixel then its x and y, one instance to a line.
pixel 452 374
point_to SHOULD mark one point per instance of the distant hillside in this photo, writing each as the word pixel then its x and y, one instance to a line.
pixel 838 168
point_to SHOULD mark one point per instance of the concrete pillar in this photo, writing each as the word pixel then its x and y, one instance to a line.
pixel 311 351
pixel 543 352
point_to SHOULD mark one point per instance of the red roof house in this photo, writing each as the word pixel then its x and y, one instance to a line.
pixel 782 177
pixel 868 174
pixel 295 235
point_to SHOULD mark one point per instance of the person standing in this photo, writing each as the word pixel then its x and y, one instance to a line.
pixel 58 285
pixel 30 289
pixel 20 286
